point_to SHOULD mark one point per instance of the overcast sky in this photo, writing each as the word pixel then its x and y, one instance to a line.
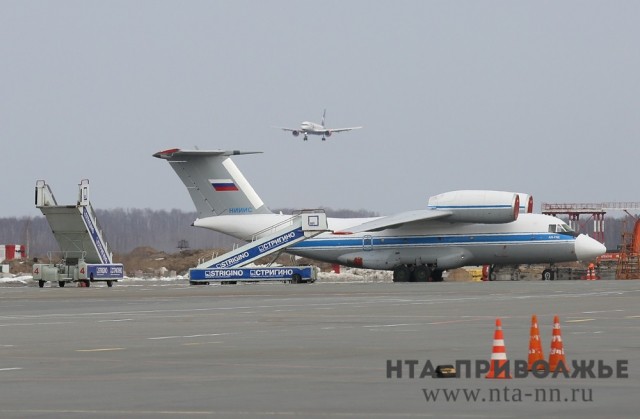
pixel 541 97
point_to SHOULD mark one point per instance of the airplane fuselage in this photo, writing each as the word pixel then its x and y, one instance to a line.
pixel 441 245
pixel 312 128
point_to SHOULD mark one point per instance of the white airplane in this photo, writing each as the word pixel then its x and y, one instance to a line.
pixel 460 228
pixel 312 128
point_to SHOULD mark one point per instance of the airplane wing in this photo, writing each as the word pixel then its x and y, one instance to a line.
pixel 288 129
pixel 397 220
pixel 483 207
pixel 342 129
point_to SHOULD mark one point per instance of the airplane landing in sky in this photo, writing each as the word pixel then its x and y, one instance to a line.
pixel 313 128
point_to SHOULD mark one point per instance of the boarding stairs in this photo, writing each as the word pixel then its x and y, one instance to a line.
pixel 301 226
pixel 75 227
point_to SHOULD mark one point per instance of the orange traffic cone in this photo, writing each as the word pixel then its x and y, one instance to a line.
pixel 498 354
pixel 556 356
pixel 591 273
pixel 535 345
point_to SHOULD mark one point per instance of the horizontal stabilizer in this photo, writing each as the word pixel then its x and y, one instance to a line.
pixel 176 152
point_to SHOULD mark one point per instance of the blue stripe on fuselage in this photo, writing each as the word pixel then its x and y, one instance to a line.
pixel 467 239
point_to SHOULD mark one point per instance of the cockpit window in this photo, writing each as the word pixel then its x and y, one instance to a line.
pixel 560 228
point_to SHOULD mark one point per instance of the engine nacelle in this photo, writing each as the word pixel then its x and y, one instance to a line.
pixel 486 207
pixel 295 133
pixel 328 133
pixel 526 203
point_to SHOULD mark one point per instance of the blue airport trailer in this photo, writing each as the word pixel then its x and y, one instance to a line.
pixel 293 274
pixel 101 272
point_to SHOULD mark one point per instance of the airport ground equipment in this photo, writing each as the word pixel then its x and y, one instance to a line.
pixel 595 211
pixel 84 254
pixel 629 255
pixel 229 267
pixel 293 274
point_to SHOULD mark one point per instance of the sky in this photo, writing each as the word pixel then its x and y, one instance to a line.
pixel 539 97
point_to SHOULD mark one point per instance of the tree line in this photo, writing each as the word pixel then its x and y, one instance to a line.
pixel 127 229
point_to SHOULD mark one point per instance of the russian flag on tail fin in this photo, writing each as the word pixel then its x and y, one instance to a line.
pixel 223 185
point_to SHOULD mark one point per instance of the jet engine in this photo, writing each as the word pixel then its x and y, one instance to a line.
pixel 295 133
pixel 526 203
pixel 487 207
pixel 328 133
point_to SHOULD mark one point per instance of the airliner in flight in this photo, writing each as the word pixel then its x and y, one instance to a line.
pixel 312 128
pixel 459 228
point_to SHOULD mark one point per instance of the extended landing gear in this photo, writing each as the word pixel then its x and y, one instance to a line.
pixel 421 273
pixel 418 273
pixel 305 138
pixel 402 273
pixel 436 275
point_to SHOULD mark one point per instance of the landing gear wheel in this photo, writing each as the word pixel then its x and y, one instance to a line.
pixel 61 284
pixel 401 274
pixel 296 279
pixel 548 275
pixel 41 283
pixel 492 274
pixel 436 276
pixel 109 283
pixel 422 273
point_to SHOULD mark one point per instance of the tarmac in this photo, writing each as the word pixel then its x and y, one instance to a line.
pixel 167 349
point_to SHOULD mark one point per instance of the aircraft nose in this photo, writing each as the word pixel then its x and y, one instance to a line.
pixel 587 248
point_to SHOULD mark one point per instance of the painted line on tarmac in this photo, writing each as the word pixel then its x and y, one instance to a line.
pixel 34 324
pixel 188 337
pixel 579 320
pixel 601 311
pixel 201 343
pixel 100 350
pixel 10 369
pixel 115 320
pixel 394 325
pixel 455 321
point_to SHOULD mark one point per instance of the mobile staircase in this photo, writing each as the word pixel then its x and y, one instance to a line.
pixel 229 267
pixel 85 255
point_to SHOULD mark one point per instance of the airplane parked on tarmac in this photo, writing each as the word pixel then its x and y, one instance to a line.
pixel 312 128
pixel 459 228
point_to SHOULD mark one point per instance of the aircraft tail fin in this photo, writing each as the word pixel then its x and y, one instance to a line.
pixel 214 182
pixel 324 113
